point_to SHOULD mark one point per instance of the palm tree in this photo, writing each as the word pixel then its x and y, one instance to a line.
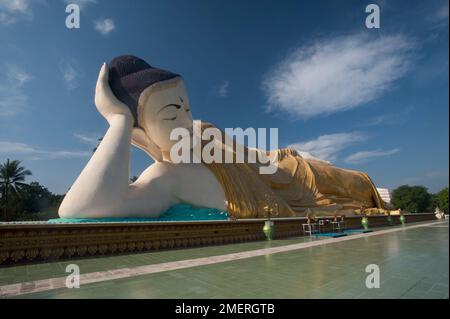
pixel 12 177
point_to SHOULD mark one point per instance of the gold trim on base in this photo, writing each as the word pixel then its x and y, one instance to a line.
pixel 32 242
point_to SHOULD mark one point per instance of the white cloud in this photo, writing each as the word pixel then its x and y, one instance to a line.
pixel 88 138
pixel 338 74
pixel 307 155
pixel 388 119
pixel 16 74
pixel 70 76
pixel 364 156
pixel 69 71
pixel 425 178
pixel 441 15
pixel 13 148
pixel 12 10
pixel 81 3
pixel 13 97
pixel 326 147
pixel 222 89
pixel 104 26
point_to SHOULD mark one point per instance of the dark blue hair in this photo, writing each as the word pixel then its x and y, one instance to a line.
pixel 129 76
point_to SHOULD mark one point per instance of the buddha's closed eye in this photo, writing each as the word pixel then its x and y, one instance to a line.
pixel 172 105
pixel 177 106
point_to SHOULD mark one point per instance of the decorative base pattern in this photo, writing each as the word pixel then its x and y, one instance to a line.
pixel 25 243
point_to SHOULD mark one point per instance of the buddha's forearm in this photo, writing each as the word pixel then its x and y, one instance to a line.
pixel 103 184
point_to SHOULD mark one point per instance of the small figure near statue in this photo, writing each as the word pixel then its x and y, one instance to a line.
pixel 439 213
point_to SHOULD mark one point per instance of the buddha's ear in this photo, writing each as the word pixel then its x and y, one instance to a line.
pixel 140 139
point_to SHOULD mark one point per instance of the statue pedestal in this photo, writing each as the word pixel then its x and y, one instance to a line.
pixel 30 242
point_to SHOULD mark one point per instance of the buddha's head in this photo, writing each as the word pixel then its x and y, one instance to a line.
pixel 157 100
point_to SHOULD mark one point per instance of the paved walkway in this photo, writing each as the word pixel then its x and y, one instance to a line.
pixel 55 287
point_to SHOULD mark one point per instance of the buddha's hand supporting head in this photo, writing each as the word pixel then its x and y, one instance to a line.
pixel 105 101
pixel 155 99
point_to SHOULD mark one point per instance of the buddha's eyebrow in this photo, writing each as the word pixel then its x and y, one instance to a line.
pixel 171 104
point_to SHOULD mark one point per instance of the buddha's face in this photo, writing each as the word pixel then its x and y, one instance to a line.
pixel 163 108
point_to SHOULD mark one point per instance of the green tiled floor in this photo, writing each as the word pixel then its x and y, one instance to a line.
pixel 24 273
pixel 413 263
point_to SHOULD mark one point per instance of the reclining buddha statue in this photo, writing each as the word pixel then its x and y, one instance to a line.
pixel 143 105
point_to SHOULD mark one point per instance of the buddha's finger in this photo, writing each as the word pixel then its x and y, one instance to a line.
pixel 103 94
pixel 102 87
pixel 105 99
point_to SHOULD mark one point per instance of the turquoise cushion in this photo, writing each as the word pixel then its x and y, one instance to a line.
pixel 180 212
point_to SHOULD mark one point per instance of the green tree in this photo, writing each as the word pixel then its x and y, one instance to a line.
pixel 33 198
pixel 34 202
pixel 12 177
pixel 441 200
pixel 414 199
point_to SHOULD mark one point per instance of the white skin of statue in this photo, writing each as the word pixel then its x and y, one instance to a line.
pixel 103 190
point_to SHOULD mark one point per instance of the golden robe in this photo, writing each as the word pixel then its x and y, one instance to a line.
pixel 298 184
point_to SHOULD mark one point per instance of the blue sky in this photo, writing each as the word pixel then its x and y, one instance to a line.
pixel 374 100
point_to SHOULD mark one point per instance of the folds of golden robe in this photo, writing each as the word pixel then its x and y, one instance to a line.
pixel 297 185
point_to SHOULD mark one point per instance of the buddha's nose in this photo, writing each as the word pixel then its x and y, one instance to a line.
pixel 186 121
